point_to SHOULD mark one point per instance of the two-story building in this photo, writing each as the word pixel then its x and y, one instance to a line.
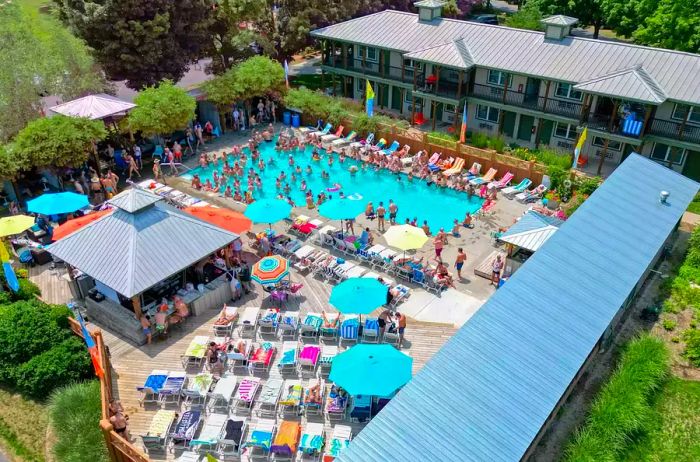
pixel 532 88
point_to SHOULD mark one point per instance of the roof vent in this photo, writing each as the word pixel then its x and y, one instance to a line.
pixel 429 9
pixel 663 197
pixel 557 27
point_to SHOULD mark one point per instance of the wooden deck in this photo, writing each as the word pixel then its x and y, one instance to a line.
pixel 52 282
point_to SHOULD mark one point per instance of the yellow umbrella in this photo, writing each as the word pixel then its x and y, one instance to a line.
pixel 405 237
pixel 15 224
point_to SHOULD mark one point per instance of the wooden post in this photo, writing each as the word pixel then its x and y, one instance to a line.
pixel 344 50
pixel 501 114
pixel 403 69
pixel 413 108
pixel 345 86
pixel 546 96
pixel 332 60
pixel 645 124
pixel 434 113
pixel 106 427
pixel 436 69
pixel 459 85
pixel 403 98
pixel 381 63
pixel 415 78
pixel 607 140
pixel 537 131
pixel 582 114
pixel 379 94
pixel 136 301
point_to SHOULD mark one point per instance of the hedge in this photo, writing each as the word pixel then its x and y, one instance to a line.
pixel 622 408
pixel 683 288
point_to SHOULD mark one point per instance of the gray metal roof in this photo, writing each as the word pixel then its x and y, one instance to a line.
pixel 430 4
pixel 559 20
pixel 455 54
pixel 531 231
pixel 130 252
pixel 634 83
pixel 488 392
pixel 134 199
pixel 573 59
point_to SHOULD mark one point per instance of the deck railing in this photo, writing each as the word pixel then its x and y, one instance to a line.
pixel 674 130
pixel 533 102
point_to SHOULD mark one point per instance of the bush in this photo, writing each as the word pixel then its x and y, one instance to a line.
pixel 588 185
pixel 684 291
pixel 558 177
pixel 669 324
pixel 622 408
pixel 691 337
pixel 75 411
pixel 498 144
pixel 27 290
pixel 695 205
pixel 480 140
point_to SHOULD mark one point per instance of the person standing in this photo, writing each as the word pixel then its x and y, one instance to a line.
pixel 137 156
pixel 401 322
pixel 199 134
pixel 439 245
pixel 497 267
pixel 381 212
pixel 459 262
pixel 393 210
pixel 146 327
pixel 236 114
pixel 156 169
pixel 244 276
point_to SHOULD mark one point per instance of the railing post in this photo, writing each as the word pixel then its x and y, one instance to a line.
pixel 344 50
pixel 645 125
pixel 501 114
pixel 106 428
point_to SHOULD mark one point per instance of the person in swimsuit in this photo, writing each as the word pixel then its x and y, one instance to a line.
pixel 393 210
pixel 120 421
pixel 213 361
pixel 497 267
pixel 459 262
pixel 381 212
pixel 146 326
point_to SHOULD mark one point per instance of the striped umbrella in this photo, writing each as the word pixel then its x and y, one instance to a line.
pixel 270 270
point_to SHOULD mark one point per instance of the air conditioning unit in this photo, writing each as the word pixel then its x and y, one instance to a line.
pixel 608 155
pixel 564 144
pixel 450 118
pixel 485 126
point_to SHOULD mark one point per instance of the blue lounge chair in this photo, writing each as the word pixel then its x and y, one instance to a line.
pixel 392 149
pixel 349 329
pixel 325 130
pixel 517 189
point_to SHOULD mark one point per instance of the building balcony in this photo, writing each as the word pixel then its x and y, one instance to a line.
pixel 629 128
pixel 372 68
pixel 443 88
pixel 674 130
pixel 569 109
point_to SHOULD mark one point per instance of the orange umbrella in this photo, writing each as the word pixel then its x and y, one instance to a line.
pixel 223 218
pixel 75 224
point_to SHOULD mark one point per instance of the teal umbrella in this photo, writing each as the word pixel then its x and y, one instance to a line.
pixel 376 370
pixel 358 295
pixel 341 209
pixel 268 211
pixel 57 203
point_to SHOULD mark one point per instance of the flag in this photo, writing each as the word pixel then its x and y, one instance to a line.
pixel 92 348
pixel 579 145
pixel 286 73
pixel 369 100
pixel 463 130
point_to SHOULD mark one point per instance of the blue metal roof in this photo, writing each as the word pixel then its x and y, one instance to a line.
pixel 486 394
pixel 532 230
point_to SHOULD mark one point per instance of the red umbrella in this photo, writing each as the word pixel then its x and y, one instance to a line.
pixel 223 218
pixel 75 224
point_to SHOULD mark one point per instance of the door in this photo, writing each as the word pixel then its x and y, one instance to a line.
pixel 546 131
pixel 692 165
pixel 525 127
pixel 508 123
pixel 396 100
pixel 384 95
pixel 532 91
pixel 438 112
pixel 627 149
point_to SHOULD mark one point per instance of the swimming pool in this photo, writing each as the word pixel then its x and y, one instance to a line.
pixel 439 206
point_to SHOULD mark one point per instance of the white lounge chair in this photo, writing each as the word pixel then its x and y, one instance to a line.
pixel 249 321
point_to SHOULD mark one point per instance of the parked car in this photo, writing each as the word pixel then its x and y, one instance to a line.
pixel 486 19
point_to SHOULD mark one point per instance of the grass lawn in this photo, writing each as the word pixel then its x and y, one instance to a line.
pixel 310 81
pixel 674 434
pixel 23 426
pixel 695 205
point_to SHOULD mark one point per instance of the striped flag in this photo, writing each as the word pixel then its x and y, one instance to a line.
pixel 463 129
pixel 579 145
pixel 92 348
pixel 369 100
pixel 286 73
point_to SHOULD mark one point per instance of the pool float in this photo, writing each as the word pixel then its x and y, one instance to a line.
pixel 336 187
pixel 355 197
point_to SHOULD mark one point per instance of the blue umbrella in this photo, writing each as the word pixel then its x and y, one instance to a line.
pixel 268 211
pixel 57 203
pixel 376 370
pixel 341 209
pixel 358 295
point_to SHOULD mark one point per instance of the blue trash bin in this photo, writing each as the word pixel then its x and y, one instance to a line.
pixel 287 118
pixel 296 120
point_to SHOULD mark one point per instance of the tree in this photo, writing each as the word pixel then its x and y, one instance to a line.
pixel 258 76
pixel 527 17
pixel 10 163
pixel 161 110
pixel 625 16
pixel 674 24
pixel 58 141
pixel 140 41
pixel 588 12
pixel 40 57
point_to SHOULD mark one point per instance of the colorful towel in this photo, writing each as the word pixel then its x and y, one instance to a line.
pixel 197 347
pixel 260 439
pixel 335 404
pixel 264 353
pixel 287 438
pixel 201 383
pixel 289 357
pixel 309 354
pixel 337 446
pixel 187 425
pixel 172 385
pixel 154 382
pixel 271 391
pixel 311 444
pixel 293 397
pixel 313 321
pixel 246 390
pixel 289 321
pixel 160 423
pixel 271 317
pixel 350 328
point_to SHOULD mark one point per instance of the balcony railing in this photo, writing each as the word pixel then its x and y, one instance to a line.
pixel 528 101
pixel 372 68
pixel 630 128
pixel 674 130
pixel 444 88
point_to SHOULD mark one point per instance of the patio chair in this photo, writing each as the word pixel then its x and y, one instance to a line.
pixel 370 331
pixel 231 441
pixel 289 325
pixel 490 175
pixel 329 329
pixel 194 355
pixel 269 321
pixel 292 393
pixel 311 443
pixel 328 352
pixel 184 430
pixel 239 359
pixel 249 321
pixel 286 442
pixel 170 392
pixel 325 139
pixel 225 326
pixel 269 397
pixel 245 394
pixel 196 390
pixel 391 338
pixel 259 440
pixel 288 358
pixel 156 438
pixel 344 141
pixel 517 189
pixel 311 326
pixel 208 437
pixel 391 149
pixel 325 130
pixel 308 360
pixel 531 195
pixel 314 406
pixel 361 410
pixel 349 329
pixel 152 386
pixel 503 182
pixel 261 359
pixel 220 397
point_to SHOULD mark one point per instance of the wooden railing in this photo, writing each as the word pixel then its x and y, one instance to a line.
pixel 120 449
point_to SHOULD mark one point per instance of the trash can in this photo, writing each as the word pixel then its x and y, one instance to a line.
pixel 296 120
pixel 287 118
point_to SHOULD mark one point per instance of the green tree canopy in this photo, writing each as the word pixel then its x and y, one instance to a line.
pixel 10 163
pixel 162 109
pixel 527 17
pixel 222 89
pixel 39 57
pixel 625 16
pixel 139 41
pixel 258 76
pixel 674 24
pixel 58 141
pixel 588 12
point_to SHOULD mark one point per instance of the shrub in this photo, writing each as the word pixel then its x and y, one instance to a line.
pixel 573 205
pixel 498 144
pixel 75 411
pixel 692 346
pixel 22 273
pixel 684 291
pixel 27 290
pixel 480 140
pixel 676 339
pixel 669 324
pixel 558 177
pixel 588 185
pixel 622 408
pixel 693 324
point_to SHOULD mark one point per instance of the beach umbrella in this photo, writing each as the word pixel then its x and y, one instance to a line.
pixel 270 270
pixel 226 219
pixel 75 224
pixel 376 370
pixel 268 211
pixel 341 209
pixel 15 224
pixel 57 203
pixel 405 237
pixel 358 295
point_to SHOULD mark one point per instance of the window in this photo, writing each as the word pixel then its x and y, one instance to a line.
pixel 360 85
pixel 566 90
pixel 449 108
pixel 681 111
pixel 612 145
pixel 487 113
pixel 370 54
pixel 411 64
pixel 566 131
pixel 665 153
pixel 408 99
pixel 499 78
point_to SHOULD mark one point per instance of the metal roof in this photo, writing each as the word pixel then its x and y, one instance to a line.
pixel 134 199
pixel 130 252
pixel 531 230
pixel 430 4
pixel 572 59
pixel 487 393
pixel 94 107
pixel 559 20
pixel 454 54
pixel 634 83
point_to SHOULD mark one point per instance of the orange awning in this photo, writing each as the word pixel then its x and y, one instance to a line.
pixel 76 223
pixel 223 218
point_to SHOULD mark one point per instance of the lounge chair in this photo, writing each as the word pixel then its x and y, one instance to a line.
pixel 365 142
pixel 186 427
pixel 456 169
pixel 225 326
pixel 325 139
pixel 311 325
pixel 308 359
pixel 292 393
pixel 344 141
pixel 156 438
pixel 531 195
pixel 361 410
pixel 391 149
pixel 339 440
pixel 391 338
pixel 288 358
pixel 370 331
pixel 249 321
pixel 381 144
pixel 194 355
pixel 329 328
pixel 349 329
pixel 239 359
pixel 211 431
pixel 269 397
pixel 261 359
pixel 245 395
pixel 259 440
pixel 503 182
pixel 231 441
pixel 220 397
pixel 196 390
pixel 517 189
pixel 152 386
pixel 267 325
pixel 336 403
pixel 328 353
pixel 314 406
pixel 286 442
pixel 170 391
pixel 323 132
pixel 474 170
pixel 311 443
pixel 403 293
pixel 434 158
pixel 490 175
pixel 289 325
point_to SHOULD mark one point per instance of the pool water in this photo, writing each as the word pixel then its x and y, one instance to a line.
pixel 439 206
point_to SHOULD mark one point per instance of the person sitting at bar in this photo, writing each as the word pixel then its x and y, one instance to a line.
pixel 161 318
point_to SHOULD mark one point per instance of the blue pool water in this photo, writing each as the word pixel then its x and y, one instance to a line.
pixel 440 206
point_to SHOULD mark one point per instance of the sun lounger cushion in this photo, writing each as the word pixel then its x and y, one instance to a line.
pixel 313 321
pixel 187 425
pixel 233 431
pixel 197 347
pixel 225 386
pixel 350 328
pixel 173 384
pixel 293 394
pixel 289 354
pixel 337 446
pixel 263 354
pixel 161 423
pixel 246 390
pixel 200 383
pixel 328 352
pixel 155 382
pixel 260 438
pixel 287 438
pixel 271 392
pixel 310 354
pixel 211 429
pixel 271 317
